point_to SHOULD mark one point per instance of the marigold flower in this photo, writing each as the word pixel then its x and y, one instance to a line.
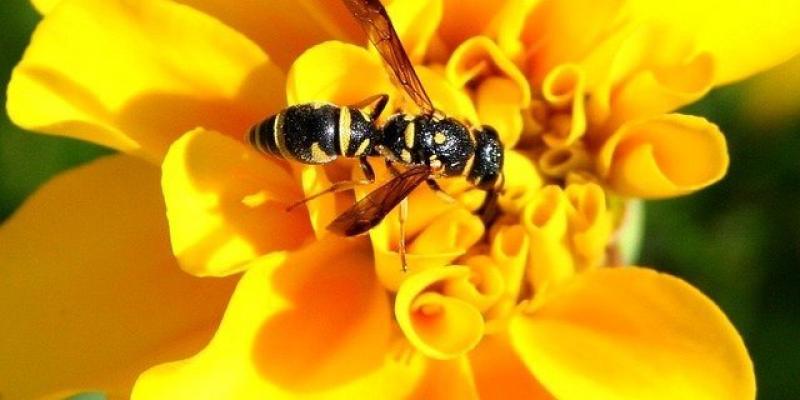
pixel 581 94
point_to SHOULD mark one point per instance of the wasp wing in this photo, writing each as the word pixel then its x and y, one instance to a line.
pixel 371 210
pixel 380 31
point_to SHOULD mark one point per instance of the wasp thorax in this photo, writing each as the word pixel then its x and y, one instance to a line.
pixel 444 144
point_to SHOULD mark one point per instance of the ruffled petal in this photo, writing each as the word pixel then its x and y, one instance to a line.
pixel 632 333
pixel 663 156
pixel 90 294
pixel 317 325
pixel 545 220
pixel 225 202
pixel 136 75
pixel 440 326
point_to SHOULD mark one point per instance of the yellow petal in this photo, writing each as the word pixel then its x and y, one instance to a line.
pixel 446 380
pixel 665 89
pixel 44 6
pixel 439 326
pixel 564 88
pixel 484 286
pixel 561 161
pixel 415 22
pixel 478 57
pixel 522 182
pixel 90 294
pixel 225 202
pixel 743 37
pixel 663 156
pixel 773 99
pixel 509 250
pixel 545 220
pixel 284 28
pixel 571 31
pixel 319 325
pixel 443 240
pixel 500 373
pixel 483 18
pixel 590 223
pixel 632 333
pixel 136 75
pixel 350 74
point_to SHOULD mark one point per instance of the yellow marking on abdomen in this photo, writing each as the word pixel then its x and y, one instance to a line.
pixel 439 138
pixel 409 134
pixel 318 155
pixel 280 139
pixel 344 130
pixel 362 147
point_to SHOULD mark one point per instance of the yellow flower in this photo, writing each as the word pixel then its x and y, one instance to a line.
pixel 578 91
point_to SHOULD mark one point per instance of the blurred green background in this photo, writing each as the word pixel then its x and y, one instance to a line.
pixel 739 241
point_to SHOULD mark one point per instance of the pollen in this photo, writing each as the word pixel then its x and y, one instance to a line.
pixel 439 138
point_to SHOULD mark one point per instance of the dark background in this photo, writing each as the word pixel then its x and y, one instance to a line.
pixel 738 241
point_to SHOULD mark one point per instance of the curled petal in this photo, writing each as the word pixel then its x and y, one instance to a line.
pixel 663 89
pixel 137 97
pixel 317 325
pixel 545 220
pixel 664 156
pixel 561 161
pixel 564 88
pixel 478 57
pixel 446 238
pixel 498 107
pixel 446 96
pixel 509 251
pixel 522 182
pixel 439 326
pixel 90 293
pixel 224 202
pixel 590 223
pixel 630 333
pixel 482 288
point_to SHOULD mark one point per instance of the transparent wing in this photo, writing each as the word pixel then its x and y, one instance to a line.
pixel 371 210
pixel 373 18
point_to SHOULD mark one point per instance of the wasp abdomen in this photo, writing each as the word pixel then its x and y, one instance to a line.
pixel 314 133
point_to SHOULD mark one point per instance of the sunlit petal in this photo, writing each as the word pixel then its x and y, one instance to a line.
pixel 108 83
pixel 632 333
pixel 90 294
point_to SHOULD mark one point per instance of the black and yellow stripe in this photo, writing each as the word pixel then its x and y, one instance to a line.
pixel 314 133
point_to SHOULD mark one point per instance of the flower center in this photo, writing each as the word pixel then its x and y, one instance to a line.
pixel 555 220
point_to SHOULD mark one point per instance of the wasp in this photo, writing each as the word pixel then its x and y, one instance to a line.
pixel 428 146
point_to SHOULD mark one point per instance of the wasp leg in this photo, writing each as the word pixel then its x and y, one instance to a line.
pixel 489 210
pixel 438 190
pixel 379 101
pixel 391 167
pixel 401 248
pixel 336 187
